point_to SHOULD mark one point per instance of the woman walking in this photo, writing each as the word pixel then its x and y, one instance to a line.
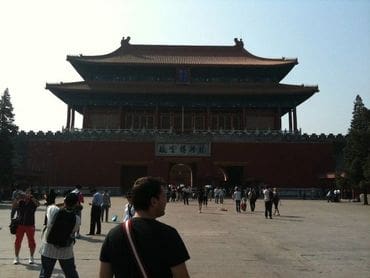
pixel 276 200
pixel 201 194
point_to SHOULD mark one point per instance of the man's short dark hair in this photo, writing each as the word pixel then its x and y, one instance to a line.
pixel 144 190
pixel 70 200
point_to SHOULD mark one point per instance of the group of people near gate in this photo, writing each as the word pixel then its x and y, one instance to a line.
pixel 271 198
pixel 242 197
pixel 129 249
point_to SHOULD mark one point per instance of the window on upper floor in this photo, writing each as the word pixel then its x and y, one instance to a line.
pixel 183 75
pixel 164 120
pixel 139 119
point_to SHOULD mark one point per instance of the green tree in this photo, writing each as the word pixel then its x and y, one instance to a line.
pixel 7 130
pixel 357 147
pixel 366 167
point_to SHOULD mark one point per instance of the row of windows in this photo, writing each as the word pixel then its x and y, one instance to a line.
pixel 190 121
pixel 182 75
pixel 183 79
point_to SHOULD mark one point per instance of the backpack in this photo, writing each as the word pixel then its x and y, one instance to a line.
pixel 129 208
pixel 252 195
pixel 60 233
pixel 14 222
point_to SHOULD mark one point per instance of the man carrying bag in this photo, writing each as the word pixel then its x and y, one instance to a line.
pixel 143 246
pixel 58 238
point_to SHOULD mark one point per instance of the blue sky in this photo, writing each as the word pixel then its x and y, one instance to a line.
pixel 331 40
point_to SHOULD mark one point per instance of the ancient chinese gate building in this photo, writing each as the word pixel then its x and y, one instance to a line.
pixel 191 114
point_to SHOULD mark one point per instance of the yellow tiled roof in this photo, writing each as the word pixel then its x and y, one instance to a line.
pixel 182 55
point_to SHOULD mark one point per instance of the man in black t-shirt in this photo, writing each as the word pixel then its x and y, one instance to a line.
pixel 160 247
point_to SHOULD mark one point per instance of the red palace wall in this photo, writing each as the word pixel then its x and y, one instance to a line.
pixel 282 164
pixel 99 163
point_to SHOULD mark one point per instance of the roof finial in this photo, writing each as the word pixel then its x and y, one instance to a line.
pixel 125 42
pixel 239 42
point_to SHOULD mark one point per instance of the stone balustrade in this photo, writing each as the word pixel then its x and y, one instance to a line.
pixel 157 134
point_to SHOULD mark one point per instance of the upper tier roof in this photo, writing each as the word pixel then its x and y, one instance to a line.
pixel 131 54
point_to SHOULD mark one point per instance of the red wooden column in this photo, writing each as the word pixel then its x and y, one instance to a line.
pixel 121 118
pixel 295 119
pixel 278 118
pixel 182 118
pixel 192 120
pixel 172 121
pixel 156 115
pixel 68 124
pixel 73 119
pixel 244 122
pixel 84 119
pixel 209 121
pixel 290 120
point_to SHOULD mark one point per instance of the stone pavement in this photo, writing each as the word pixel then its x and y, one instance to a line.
pixel 309 239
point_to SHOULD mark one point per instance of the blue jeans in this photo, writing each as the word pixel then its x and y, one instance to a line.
pixel 68 266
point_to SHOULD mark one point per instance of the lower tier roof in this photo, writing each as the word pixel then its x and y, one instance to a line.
pixel 145 95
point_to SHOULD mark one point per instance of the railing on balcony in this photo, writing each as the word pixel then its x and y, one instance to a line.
pixel 210 135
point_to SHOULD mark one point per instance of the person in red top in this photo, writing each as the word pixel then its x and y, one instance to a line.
pixel 26 208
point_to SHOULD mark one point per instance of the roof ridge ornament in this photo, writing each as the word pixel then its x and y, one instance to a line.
pixel 125 42
pixel 239 42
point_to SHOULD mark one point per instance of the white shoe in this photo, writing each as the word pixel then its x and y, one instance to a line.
pixel 16 260
pixel 31 260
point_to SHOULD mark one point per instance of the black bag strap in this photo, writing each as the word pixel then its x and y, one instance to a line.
pixel 127 230
pixel 129 207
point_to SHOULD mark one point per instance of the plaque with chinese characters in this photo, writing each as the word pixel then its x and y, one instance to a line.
pixel 184 149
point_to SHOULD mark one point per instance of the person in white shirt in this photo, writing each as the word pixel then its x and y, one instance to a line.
pixel 267 197
pixel 50 252
pixel 237 196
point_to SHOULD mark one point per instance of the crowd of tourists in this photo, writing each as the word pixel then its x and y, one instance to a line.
pixel 144 203
pixel 147 201
pixel 61 226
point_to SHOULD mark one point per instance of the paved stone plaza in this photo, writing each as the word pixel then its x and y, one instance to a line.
pixel 309 239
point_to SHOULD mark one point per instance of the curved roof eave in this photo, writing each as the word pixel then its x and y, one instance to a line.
pixel 198 89
pixel 126 49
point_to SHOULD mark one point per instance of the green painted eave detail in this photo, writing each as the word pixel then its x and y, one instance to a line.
pixel 171 101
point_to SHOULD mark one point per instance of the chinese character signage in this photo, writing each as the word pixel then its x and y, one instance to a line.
pixel 186 149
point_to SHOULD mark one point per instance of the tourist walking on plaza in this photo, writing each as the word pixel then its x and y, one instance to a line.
pixel 186 191
pixel 237 196
pixel 79 206
pixel 221 195
pixel 26 207
pixel 252 196
pixel 105 206
pixel 276 201
pixel 149 236
pixel 129 208
pixel 216 193
pixel 267 197
pixel 95 215
pixel 205 196
pixel 173 193
pixel 200 196
pixel 58 238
